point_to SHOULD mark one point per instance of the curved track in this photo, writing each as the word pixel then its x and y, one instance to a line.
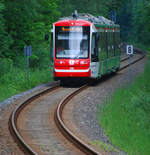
pixel 61 123
pixel 58 118
pixel 14 117
pixel 63 128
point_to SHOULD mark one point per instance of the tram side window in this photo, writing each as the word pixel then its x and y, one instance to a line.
pixel 117 43
pixel 93 45
pixel 102 52
pixel 114 43
pixel 94 49
pixel 109 43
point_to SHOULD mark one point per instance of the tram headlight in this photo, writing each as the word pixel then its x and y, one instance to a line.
pixel 84 62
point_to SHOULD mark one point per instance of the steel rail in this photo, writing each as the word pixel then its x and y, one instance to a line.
pixel 78 142
pixel 13 120
pixel 124 59
pixel 133 62
pixel 63 128
pixel 136 50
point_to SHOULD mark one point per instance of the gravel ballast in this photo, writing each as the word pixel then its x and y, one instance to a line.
pixel 85 111
pixel 86 108
pixel 7 144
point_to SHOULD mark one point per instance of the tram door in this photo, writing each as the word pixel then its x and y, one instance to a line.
pixel 94 56
pixel 94 48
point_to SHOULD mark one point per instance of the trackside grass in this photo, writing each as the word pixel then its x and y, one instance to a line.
pixel 126 116
pixel 15 81
pixel 104 147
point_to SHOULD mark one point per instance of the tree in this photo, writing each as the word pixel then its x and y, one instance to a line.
pixel 135 21
pixel 141 21
pixel 4 38
pixel 27 22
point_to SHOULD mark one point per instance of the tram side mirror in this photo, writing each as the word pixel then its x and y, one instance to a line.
pixel 97 37
pixel 47 36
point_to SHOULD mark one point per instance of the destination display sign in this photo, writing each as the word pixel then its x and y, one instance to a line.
pixel 72 29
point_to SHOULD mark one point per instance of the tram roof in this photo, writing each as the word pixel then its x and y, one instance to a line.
pixel 85 19
pixel 72 22
pixel 80 22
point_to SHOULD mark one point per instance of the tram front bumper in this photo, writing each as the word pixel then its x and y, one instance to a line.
pixel 72 73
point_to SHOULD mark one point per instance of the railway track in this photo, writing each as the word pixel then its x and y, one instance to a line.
pixel 13 126
pixel 63 128
pixel 15 120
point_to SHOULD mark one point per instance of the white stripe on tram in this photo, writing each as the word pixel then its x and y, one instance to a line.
pixel 66 70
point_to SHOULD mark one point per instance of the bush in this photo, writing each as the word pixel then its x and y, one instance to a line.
pixel 5 66
pixel 40 58
pixel 126 117
pixel 15 81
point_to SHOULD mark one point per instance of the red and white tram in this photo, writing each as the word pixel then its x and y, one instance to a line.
pixel 82 48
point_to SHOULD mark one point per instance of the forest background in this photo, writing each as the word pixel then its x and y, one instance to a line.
pixel 25 22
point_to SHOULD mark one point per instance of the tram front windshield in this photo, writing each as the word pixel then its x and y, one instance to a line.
pixel 72 42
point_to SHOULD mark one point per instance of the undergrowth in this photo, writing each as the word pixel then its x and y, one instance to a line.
pixel 13 78
pixel 105 147
pixel 126 116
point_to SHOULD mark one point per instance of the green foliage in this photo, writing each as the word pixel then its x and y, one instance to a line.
pixel 15 81
pixel 97 7
pixel 141 21
pixel 126 117
pixel 104 146
pixel 27 23
pixel 40 58
pixel 24 23
pixel 4 38
pixel 5 66
pixel 135 21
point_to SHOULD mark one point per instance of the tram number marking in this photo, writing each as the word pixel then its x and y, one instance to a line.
pixel 129 49
pixel 71 62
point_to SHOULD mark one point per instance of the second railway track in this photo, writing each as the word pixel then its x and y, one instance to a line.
pixel 36 134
